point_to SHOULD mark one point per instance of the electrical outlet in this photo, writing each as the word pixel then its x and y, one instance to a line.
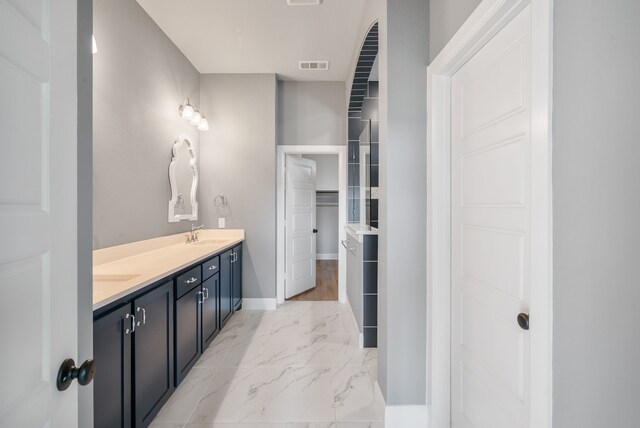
pixel 221 223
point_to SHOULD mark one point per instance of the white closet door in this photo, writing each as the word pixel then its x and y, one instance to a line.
pixel 38 203
pixel 490 228
pixel 300 225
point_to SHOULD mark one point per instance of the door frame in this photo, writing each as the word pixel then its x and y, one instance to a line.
pixel 486 21
pixel 283 151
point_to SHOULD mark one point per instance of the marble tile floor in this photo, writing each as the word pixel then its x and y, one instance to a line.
pixel 296 367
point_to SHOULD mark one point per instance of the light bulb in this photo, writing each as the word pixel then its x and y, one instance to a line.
pixel 186 110
pixel 197 117
pixel 204 124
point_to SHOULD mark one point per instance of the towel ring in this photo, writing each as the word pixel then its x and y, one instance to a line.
pixel 221 201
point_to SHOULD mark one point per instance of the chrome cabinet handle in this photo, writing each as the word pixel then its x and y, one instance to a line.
pixel 233 257
pixel 190 281
pixel 206 290
pixel 144 316
pixel 212 267
pixel 346 244
pixel 133 324
pixel 200 293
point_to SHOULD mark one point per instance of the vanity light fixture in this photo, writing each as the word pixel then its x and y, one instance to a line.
pixel 204 124
pixel 197 118
pixel 191 113
pixel 187 110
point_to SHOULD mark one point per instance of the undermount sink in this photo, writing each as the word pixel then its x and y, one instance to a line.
pixel 113 278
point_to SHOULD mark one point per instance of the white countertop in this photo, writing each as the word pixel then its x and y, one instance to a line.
pixel 123 269
pixel 357 230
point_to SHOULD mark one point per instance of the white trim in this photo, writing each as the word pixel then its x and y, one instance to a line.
pixel 259 304
pixel 341 151
pixel 327 256
pixel 406 416
pixel 489 18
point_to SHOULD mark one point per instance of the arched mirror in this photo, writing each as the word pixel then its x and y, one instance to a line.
pixel 183 177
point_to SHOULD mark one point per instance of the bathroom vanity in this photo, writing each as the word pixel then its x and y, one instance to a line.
pixel 158 304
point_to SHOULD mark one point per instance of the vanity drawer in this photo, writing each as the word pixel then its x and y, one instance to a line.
pixel 187 281
pixel 210 267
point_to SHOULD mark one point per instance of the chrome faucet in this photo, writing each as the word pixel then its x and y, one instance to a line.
pixel 193 235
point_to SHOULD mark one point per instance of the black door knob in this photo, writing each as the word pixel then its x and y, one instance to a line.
pixel 315 230
pixel 523 321
pixel 68 372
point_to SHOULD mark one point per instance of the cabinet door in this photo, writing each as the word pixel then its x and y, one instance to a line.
pixel 153 352
pixel 236 277
pixel 226 300
pixel 112 382
pixel 187 330
pixel 210 310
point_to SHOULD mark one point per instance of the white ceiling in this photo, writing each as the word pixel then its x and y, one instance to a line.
pixel 262 36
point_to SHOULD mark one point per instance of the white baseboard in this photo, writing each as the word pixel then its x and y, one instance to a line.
pixel 405 416
pixel 327 256
pixel 259 304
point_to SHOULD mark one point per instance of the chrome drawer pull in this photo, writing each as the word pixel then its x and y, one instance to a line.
pixel 213 267
pixel 133 324
pixel 192 280
pixel 144 315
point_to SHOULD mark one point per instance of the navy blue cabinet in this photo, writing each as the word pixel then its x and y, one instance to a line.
pixel 226 290
pixel 133 350
pixel 112 383
pixel 187 331
pixel 153 353
pixel 210 322
pixel 236 277
pixel 146 343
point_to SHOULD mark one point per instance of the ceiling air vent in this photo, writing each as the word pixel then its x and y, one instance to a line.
pixel 304 2
pixel 313 65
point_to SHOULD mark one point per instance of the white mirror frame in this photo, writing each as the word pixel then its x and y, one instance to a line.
pixel 173 217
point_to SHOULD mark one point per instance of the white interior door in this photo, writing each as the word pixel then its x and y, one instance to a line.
pixel 300 213
pixel 490 228
pixel 38 203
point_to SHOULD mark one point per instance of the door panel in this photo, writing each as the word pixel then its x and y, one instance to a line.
pixel 38 228
pixel 112 383
pixel 153 352
pixel 300 201
pixel 187 332
pixel 490 232
pixel 236 278
pixel 210 310
pixel 226 292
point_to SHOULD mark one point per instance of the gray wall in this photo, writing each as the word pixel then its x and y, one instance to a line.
pixel 596 187
pixel 402 277
pixel 446 18
pixel 238 159
pixel 326 216
pixel 311 113
pixel 140 80
pixel 326 171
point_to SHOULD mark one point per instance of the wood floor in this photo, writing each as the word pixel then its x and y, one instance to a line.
pixel 326 283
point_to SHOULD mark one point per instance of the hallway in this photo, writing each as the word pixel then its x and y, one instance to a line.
pixel 298 366
pixel 326 283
